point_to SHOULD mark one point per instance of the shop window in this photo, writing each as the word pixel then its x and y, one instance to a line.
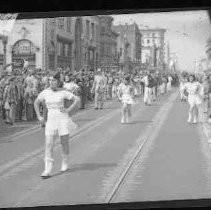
pixel 87 29
pixel 93 30
pixel 69 24
pixel 61 23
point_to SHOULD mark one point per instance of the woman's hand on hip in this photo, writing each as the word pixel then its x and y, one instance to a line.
pixel 64 110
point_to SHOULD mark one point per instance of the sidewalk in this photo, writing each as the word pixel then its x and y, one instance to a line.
pixel 25 126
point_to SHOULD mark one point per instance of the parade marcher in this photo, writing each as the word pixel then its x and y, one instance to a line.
pixel 10 99
pixel 125 94
pixel 194 98
pixel 58 121
pixel 148 84
pixel 169 83
pixel 183 95
pixel 70 85
pixel 99 88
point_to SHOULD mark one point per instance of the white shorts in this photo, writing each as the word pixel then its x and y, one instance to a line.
pixel 194 100
pixel 60 124
pixel 127 99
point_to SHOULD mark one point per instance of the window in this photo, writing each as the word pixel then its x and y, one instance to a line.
pixel 61 23
pixel 148 41
pixel 66 50
pixel 87 29
pixel 93 31
pixel 69 24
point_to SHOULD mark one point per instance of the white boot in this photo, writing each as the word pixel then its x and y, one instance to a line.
pixel 64 163
pixel 123 120
pixel 195 120
pixel 189 118
pixel 48 168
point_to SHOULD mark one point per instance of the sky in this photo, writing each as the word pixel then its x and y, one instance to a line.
pixel 187 32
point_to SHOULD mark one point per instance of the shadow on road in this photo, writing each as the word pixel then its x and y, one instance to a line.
pixel 140 121
pixel 81 120
pixel 86 167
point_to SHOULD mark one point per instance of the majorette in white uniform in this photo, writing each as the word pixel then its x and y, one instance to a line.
pixel 182 90
pixel 169 83
pixel 194 91
pixel 57 121
pixel 126 94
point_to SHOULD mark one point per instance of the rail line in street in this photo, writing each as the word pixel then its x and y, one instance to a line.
pixel 146 138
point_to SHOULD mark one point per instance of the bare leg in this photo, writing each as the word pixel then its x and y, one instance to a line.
pixel 124 110
pixel 49 143
pixel 65 152
pixel 190 113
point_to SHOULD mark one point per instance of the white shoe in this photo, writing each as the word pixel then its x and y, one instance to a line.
pixel 194 121
pixel 123 120
pixel 127 120
pixel 189 119
pixel 48 169
pixel 64 164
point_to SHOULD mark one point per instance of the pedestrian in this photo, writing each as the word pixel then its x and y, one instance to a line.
pixel 194 92
pixel 58 121
pixel 126 96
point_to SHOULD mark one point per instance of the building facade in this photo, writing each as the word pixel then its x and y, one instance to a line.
pixel 133 36
pixel 72 43
pixel 26 42
pixel 153 52
pixel 108 43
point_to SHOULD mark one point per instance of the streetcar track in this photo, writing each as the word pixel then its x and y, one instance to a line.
pixel 157 123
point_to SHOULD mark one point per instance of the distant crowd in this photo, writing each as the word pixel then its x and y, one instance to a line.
pixel 18 90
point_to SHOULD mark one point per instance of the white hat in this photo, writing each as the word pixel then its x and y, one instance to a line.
pixel 99 70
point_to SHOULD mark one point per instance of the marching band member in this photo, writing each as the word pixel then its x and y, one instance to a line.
pixel 58 121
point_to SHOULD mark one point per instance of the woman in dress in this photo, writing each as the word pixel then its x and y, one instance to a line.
pixel 58 121
pixel 194 91
pixel 125 94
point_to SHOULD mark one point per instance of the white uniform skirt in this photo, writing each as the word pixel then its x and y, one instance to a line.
pixel 194 99
pixel 59 123
pixel 127 99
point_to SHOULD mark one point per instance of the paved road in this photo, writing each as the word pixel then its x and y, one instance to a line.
pixel 172 163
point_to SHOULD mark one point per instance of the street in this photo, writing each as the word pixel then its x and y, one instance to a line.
pixel 156 156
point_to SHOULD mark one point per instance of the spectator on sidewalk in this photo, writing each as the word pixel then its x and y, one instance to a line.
pixel 10 99
pixel 209 98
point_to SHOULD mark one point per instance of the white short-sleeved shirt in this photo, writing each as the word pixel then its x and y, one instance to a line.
pixel 193 88
pixel 54 101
